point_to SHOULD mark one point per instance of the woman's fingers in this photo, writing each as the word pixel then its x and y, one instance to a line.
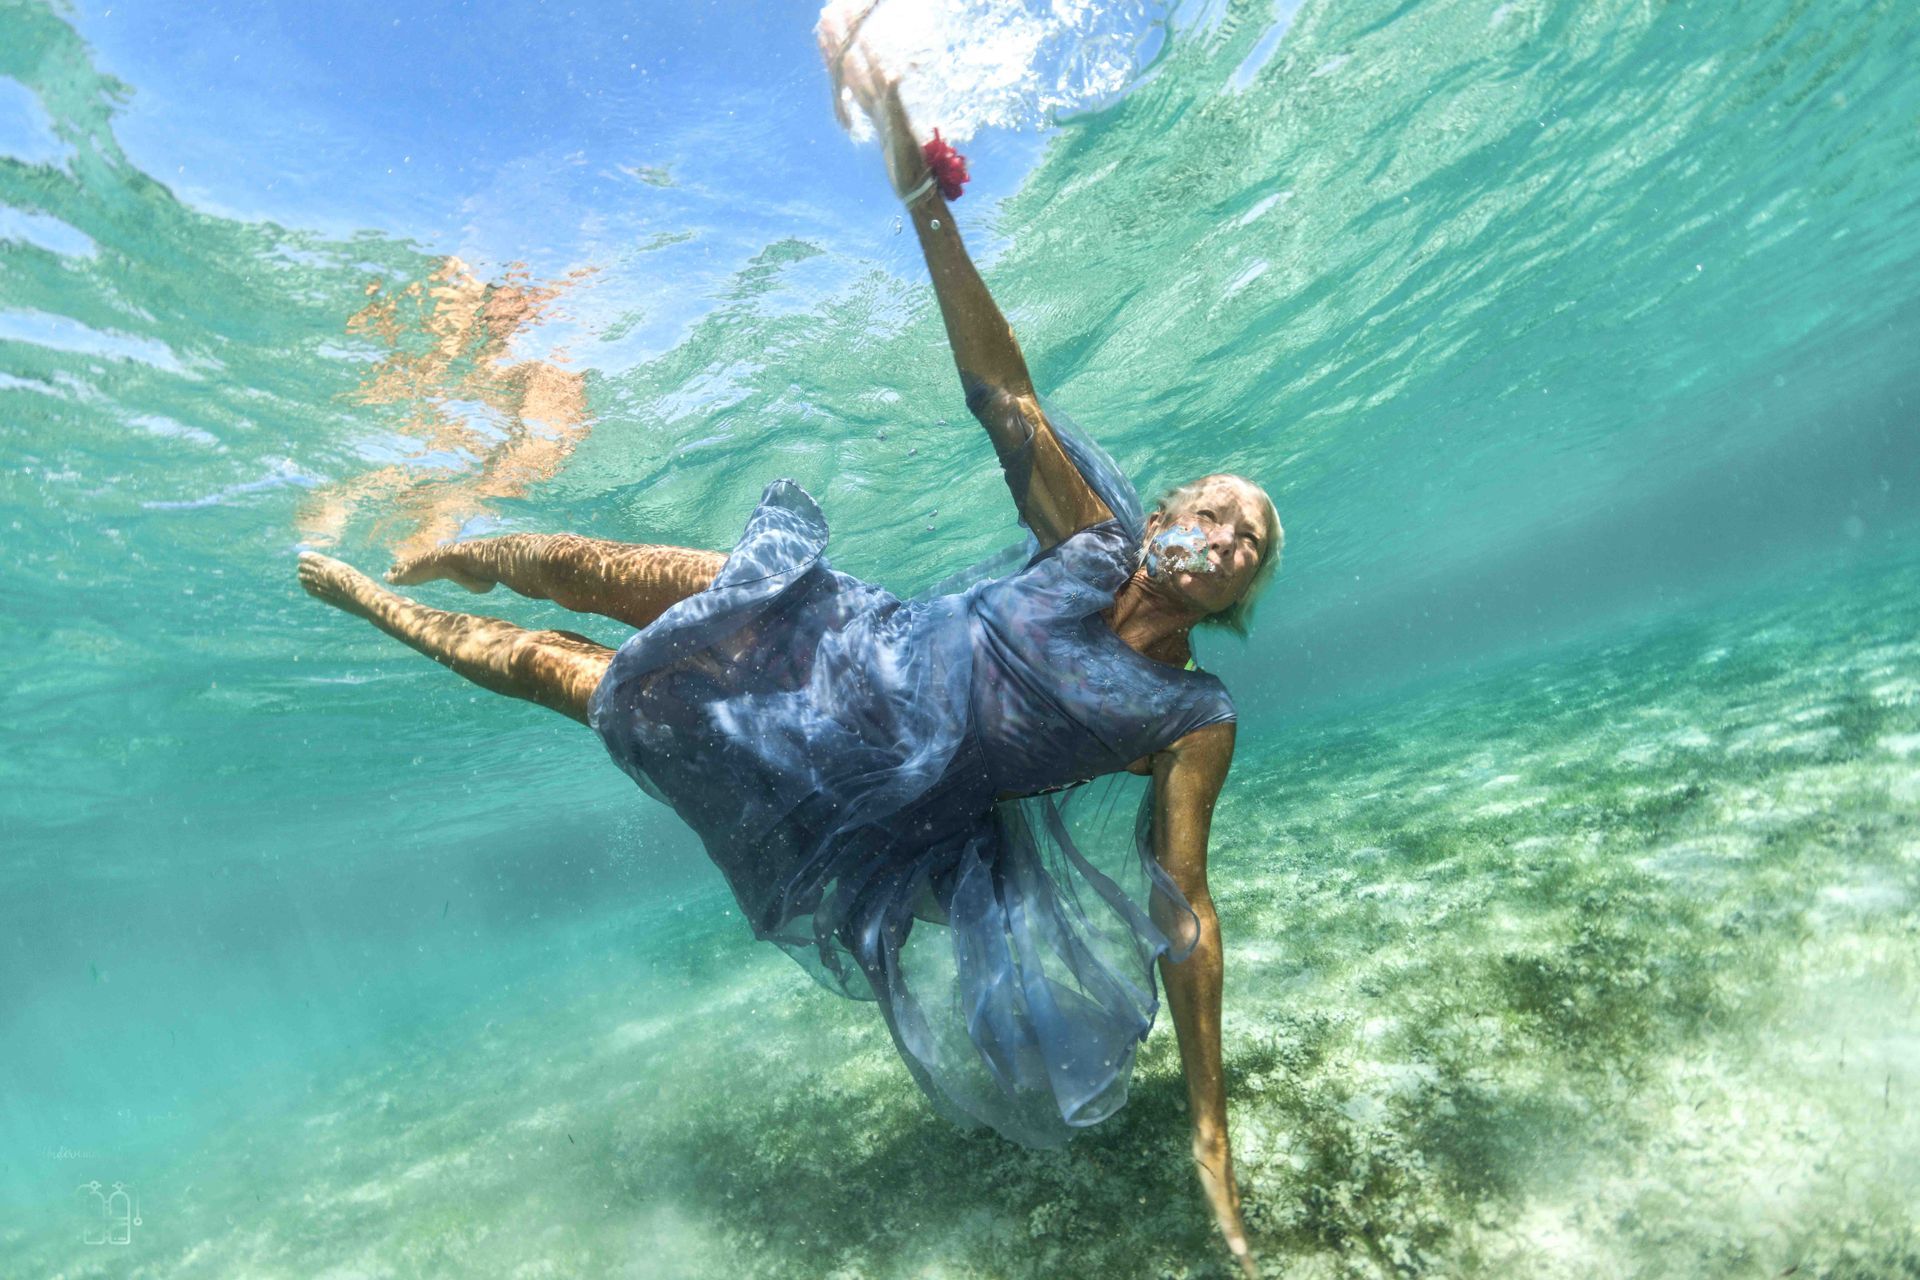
pixel 846 60
pixel 868 81
pixel 850 63
pixel 833 52
pixel 856 72
pixel 1214 1163
pixel 1236 1238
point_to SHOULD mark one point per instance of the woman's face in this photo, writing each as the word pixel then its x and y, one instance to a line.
pixel 1232 519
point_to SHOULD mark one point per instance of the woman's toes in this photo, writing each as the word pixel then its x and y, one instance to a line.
pixel 407 572
pixel 434 567
pixel 313 569
pixel 325 577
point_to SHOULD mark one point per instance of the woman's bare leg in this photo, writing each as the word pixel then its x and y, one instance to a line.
pixel 629 582
pixel 556 669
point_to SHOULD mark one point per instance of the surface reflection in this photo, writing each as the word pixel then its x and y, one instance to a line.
pixel 470 423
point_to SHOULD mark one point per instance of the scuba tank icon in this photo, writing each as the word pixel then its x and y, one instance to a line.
pixel 93 1212
pixel 123 1215
pixel 110 1217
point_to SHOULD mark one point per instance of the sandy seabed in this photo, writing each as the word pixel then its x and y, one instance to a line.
pixel 1602 964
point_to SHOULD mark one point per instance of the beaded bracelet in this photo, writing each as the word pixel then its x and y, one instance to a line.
pixel 946 169
pixel 919 193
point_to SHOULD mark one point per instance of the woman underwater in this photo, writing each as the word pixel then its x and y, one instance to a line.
pixel 854 762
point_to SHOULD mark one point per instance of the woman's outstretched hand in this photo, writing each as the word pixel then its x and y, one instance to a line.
pixel 844 53
pixel 853 67
pixel 1213 1161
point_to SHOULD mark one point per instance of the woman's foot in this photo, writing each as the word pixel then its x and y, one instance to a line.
pixel 336 582
pixel 448 562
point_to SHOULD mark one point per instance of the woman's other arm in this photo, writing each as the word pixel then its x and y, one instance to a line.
pixel 1187 778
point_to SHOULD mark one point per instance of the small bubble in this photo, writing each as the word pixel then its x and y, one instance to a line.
pixel 936 224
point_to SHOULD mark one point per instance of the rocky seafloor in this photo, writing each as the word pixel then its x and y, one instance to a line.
pixel 1604 963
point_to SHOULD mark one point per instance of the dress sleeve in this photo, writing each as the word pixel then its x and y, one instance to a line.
pixel 1095 465
pixel 1101 556
pixel 1115 543
pixel 1102 473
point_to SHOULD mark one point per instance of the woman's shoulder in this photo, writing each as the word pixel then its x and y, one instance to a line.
pixel 1102 554
pixel 1102 474
pixel 1209 703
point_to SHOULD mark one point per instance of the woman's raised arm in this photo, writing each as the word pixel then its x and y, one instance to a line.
pixel 1054 498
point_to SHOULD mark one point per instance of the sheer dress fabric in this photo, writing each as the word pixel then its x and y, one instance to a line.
pixel 898 793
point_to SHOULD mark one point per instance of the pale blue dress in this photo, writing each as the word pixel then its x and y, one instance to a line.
pixel 842 754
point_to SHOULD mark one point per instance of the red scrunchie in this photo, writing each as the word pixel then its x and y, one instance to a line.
pixel 949 166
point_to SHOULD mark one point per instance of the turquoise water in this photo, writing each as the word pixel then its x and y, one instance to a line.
pixel 1569 871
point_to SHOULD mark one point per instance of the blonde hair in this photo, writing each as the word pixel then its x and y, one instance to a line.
pixel 1238 616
